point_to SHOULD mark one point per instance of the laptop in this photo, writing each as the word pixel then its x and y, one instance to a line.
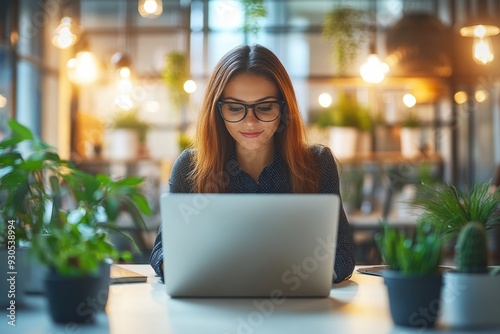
pixel 249 245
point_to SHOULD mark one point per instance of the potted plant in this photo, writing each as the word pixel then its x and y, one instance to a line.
pixel 345 28
pixel 175 74
pixel 414 278
pixel 128 138
pixel 471 293
pixel 22 203
pixel 345 120
pixel 65 215
pixel 411 136
pixel 253 11
pixel 449 209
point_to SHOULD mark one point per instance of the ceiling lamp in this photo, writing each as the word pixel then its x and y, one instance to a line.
pixel 374 70
pixel 65 34
pixel 477 29
pixel 482 49
pixel 481 27
pixel 150 8
pixel 83 69
pixel 124 85
pixel 418 45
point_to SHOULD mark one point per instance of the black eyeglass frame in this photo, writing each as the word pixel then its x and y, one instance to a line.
pixel 247 106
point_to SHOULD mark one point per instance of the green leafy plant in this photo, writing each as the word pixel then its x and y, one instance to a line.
pixel 64 213
pixel 449 209
pixel 130 119
pixel 345 27
pixel 411 121
pixel 175 74
pixel 348 113
pixel 253 10
pixel 416 254
pixel 184 141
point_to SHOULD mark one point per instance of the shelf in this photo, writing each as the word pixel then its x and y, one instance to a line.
pixel 391 158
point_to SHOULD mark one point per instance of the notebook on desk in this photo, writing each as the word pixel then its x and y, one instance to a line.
pixel 119 274
pixel 249 245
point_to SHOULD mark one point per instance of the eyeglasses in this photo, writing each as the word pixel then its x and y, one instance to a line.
pixel 267 111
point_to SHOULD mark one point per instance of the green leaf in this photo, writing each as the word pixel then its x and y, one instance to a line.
pixel 31 165
pixel 142 203
pixel 44 156
pixel 10 142
pixel 130 181
pixel 10 158
pixel 134 212
pixel 20 130
pixel 112 207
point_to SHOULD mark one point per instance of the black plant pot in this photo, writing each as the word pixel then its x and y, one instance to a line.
pixel 101 298
pixel 72 299
pixel 414 300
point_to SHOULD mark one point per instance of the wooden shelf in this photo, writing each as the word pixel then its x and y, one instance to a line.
pixel 391 158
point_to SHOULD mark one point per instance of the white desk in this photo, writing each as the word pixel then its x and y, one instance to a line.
pixel 355 306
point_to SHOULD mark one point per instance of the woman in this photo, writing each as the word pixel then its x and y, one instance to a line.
pixel 251 139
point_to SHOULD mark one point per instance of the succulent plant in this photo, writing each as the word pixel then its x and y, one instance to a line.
pixel 417 253
pixel 471 250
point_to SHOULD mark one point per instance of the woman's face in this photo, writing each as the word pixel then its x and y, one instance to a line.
pixel 251 133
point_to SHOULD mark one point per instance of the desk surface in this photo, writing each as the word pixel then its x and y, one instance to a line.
pixel 355 306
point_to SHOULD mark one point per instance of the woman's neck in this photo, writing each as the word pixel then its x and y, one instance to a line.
pixel 253 162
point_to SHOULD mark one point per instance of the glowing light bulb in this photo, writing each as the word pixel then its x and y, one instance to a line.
pixel 325 100
pixel 150 8
pixel 409 100
pixel 63 36
pixel 460 97
pixel 481 95
pixel 83 69
pixel 374 70
pixel 482 50
pixel 124 72
pixel 190 86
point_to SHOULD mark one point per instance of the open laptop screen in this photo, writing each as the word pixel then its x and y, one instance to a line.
pixel 249 245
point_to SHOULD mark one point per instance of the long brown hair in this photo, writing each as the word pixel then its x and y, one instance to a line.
pixel 214 143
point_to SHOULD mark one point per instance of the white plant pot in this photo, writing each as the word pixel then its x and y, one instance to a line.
pixel 410 142
pixel 470 300
pixel 121 144
pixel 343 141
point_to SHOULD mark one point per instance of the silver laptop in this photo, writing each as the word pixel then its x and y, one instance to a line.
pixel 249 245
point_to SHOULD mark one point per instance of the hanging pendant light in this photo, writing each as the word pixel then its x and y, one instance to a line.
pixel 83 69
pixel 66 34
pixel 481 26
pixel 482 50
pixel 123 79
pixel 374 70
pixel 150 8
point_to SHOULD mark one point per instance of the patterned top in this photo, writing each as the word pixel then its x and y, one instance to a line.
pixel 273 179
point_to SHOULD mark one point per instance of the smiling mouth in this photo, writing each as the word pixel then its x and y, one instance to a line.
pixel 252 134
